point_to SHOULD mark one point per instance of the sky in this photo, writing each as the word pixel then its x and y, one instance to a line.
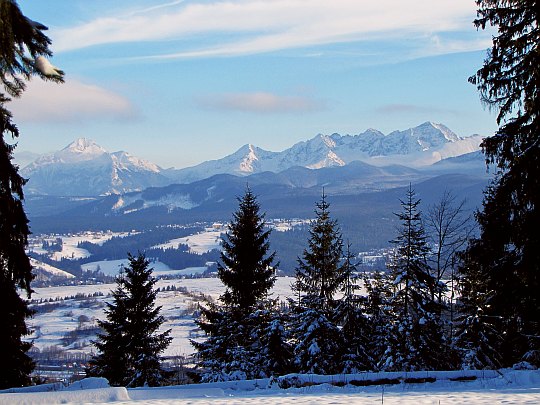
pixel 180 82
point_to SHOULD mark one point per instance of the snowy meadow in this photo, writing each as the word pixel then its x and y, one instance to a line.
pixel 480 387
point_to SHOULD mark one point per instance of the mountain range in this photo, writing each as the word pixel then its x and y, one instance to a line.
pixel 414 147
pixel 84 168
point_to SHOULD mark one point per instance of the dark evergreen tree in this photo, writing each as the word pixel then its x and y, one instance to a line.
pixel 415 338
pixel 320 273
pixel 130 346
pixel 319 276
pixel 232 347
pixel 318 342
pixel 246 269
pixel 506 252
pixel 377 310
pixel 350 314
pixel 476 339
pixel 226 354
pixel 22 45
pixel 276 353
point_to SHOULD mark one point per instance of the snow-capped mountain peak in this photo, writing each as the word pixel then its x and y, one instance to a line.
pixel 84 168
pixel 250 160
pixel 421 145
pixel 80 150
pixel 127 161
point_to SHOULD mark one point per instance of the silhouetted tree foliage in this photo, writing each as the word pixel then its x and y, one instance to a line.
pixel 22 41
pixel 129 346
pixel 415 335
pixel 320 274
pixel 505 257
pixel 246 269
pixel 235 328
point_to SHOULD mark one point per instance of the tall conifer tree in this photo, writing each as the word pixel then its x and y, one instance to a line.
pixel 22 46
pixel 246 268
pixel 319 276
pixel 233 346
pixel 506 252
pixel 130 345
pixel 415 335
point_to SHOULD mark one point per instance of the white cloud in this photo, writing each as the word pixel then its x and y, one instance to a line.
pixel 260 103
pixel 269 25
pixel 70 102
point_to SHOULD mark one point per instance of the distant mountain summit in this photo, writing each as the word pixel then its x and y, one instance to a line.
pixel 419 146
pixel 83 168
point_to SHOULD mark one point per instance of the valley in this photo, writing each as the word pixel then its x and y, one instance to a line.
pixel 84 224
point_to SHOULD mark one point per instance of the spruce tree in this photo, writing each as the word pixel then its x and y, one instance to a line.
pixel 320 273
pixel 476 339
pixel 276 353
pixel 506 252
pixel 319 276
pixel 415 337
pixel 247 270
pixel 130 345
pixel 22 45
pixel 377 310
pixel 351 316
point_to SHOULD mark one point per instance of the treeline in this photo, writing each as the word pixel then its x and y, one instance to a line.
pixel 406 320
pixel 118 246
pixel 181 258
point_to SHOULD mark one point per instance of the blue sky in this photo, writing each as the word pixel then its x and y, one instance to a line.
pixel 180 82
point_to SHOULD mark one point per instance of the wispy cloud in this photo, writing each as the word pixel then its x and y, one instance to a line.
pixel 72 101
pixel 268 25
pixel 260 103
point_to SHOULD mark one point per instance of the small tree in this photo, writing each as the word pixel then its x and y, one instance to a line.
pixel 415 335
pixel 276 353
pixel 377 309
pixel 351 316
pixel 23 46
pixel 319 276
pixel 476 339
pixel 448 228
pixel 130 346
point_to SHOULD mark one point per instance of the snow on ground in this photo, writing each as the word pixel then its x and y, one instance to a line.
pixel 70 242
pixel 210 238
pixel 507 386
pixel 214 287
pixel 201 242
pixel 112 268
pixel 513 387
pixel 50 327
pixel 288 224
pixel 50 269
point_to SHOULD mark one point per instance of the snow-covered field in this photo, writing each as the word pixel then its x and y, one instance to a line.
pixel 112 268
pixel 201 242
pixel 50 327
pixel 505 387
pixel 70 242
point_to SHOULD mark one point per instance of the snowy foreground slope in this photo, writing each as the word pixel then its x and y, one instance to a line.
pixel 462 387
